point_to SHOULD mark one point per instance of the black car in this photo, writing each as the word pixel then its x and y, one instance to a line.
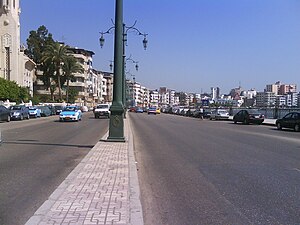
pixel 45 111
pixel 290 120
pixel 58 109
pixel 4 113
pixel 247 116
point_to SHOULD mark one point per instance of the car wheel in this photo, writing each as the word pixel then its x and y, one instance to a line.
pixel 8 118
pixel 21 117
pixel 28 117
pixel 297 128
pixel 245 121
pixel 279 127
pixel 234 121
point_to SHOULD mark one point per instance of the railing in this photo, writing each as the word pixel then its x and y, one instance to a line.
pixel 269 113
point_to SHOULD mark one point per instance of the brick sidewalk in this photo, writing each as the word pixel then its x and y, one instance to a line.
pixel 102 189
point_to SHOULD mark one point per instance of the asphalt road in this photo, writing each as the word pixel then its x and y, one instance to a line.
pixel 36 156
pixel 216 172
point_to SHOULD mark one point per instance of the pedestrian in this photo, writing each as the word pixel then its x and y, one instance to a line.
pixel 201 113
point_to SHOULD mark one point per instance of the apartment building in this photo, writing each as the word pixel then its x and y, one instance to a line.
pixel 265 99
pixel 215 93
pixel 137 95
pixel 287 88
pixel 153 98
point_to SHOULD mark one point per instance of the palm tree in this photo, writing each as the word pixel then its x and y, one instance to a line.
pixel 70 67
pixel 56 54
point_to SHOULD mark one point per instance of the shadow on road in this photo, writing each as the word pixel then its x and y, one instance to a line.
pixel 30 142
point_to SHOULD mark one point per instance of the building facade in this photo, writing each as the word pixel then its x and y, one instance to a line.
pixel 14 64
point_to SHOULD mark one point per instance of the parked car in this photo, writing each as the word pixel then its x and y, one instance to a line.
pixel 152 110
pixel 70 113
pixel 52 109
pixel 45 111
pixel 34 111
pixel 290 120
pixel 58 109
pixel 4 113
pixel 247 116
pixel 19 112
pixel 219 114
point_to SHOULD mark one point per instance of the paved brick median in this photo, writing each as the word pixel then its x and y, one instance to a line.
pixel 97 191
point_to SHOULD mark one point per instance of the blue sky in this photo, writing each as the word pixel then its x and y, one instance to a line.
pixel 192 44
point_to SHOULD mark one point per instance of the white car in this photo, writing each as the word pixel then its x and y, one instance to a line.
pixel 70 113
pixel 219 114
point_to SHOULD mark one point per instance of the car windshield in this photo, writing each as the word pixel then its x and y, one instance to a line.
pixel 152 108
pixel 70 109
pixel 31 108
pixel 15 108
pixel 253 111
pixel 102 106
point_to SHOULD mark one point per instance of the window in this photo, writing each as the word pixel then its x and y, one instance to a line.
pixel 14 3
pixel 7 63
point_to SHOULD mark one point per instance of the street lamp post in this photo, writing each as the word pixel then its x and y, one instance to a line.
pixel 116 123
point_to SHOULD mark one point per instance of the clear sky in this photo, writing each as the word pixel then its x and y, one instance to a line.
pixel 192 44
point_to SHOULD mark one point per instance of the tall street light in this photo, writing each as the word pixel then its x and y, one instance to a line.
pixel 116 123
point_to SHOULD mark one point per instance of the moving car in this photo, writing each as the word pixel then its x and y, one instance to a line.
pixel 152 110
pixel 247 116
pixel 34 111
pixel 70 113
pixel 102 110
pixel 290 120
pixel 4 113
pixel 19 112
pixel 219 114
pixel 139 110
pixel 157 110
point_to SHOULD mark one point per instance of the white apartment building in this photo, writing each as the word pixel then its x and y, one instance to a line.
pixel 14 64
pixel 215 93
pixel 153 98
pixel 137 94
pixel 291 99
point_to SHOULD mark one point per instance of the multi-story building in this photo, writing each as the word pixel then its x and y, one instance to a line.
pixel 84 82
pixel 109 86
pixel 14 64
pixel 287 88
pixel 265 99
pixel 137 95
pixel 153 98
pixel 215 93
pixel 291 99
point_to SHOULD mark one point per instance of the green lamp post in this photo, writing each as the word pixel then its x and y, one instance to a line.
pixel 116 123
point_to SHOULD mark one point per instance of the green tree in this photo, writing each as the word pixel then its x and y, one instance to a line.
pixel 70 67
pixel 56 54
pixel 72 95
pixel 12 91
pixel 37 42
